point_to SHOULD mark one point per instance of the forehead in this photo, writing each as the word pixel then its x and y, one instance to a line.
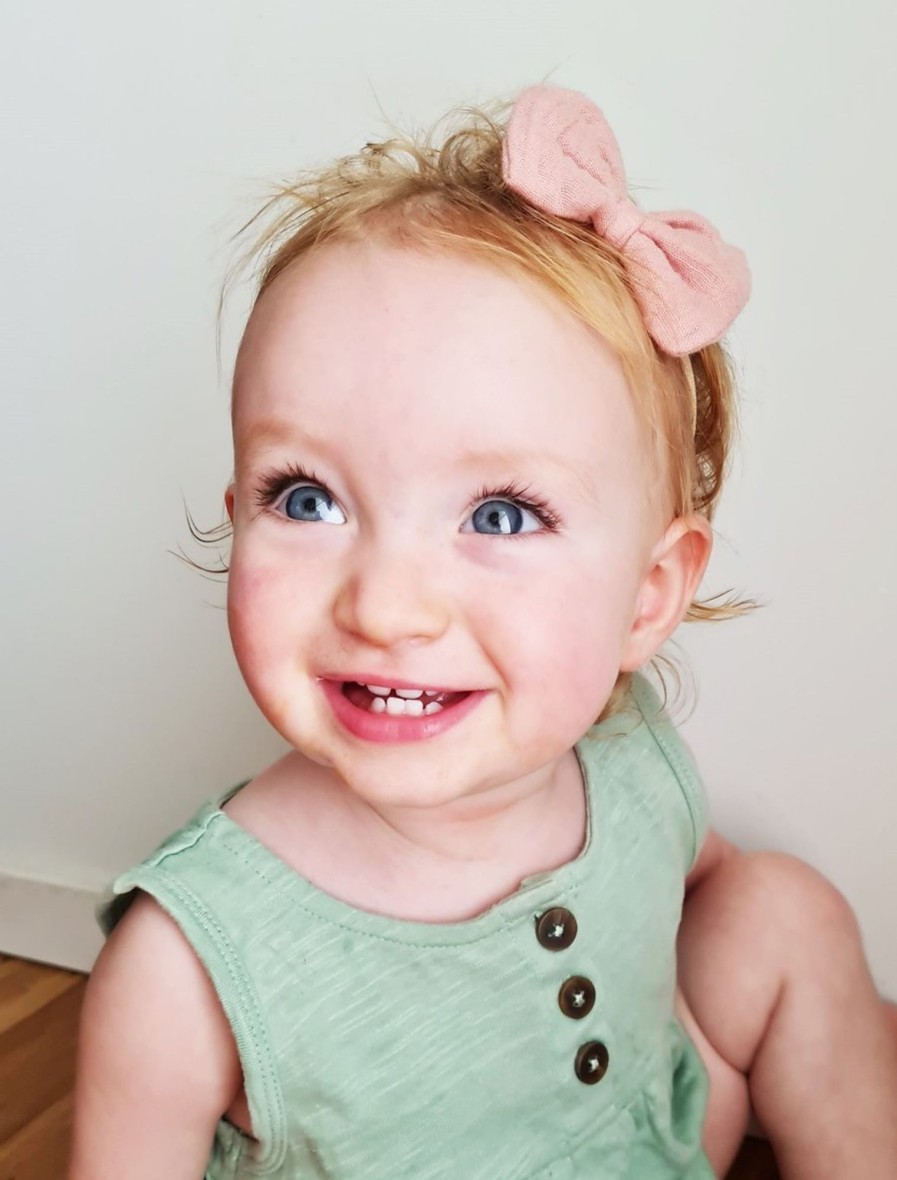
pixel 381 344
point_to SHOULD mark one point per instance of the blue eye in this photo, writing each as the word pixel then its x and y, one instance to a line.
pixel 501 518
pixel 311 504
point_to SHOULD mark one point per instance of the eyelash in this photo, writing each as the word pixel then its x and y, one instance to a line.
pixel 275 483
pixel 520 495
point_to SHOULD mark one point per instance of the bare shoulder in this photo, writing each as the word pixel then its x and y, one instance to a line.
pixel 157 1063
pixel 288 808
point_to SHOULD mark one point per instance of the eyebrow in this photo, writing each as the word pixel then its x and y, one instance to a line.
pixel 513 459
pixel 524 461
pixel 274 432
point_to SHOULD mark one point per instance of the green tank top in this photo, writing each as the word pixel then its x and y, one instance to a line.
pixel 533 1042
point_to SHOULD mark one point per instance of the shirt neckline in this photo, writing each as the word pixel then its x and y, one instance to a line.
pixel 533 895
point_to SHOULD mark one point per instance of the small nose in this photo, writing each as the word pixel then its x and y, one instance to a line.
pixel 387 599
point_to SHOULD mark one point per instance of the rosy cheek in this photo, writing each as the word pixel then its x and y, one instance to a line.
pixel 252 596
pixel 262 645
pixel 580 646
pixel 253 585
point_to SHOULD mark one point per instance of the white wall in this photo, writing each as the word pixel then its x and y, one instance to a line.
pixel 135 138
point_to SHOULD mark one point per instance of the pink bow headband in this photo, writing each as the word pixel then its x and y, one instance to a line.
pixel 561 156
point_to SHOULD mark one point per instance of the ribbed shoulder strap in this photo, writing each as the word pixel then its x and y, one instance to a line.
pixel 211 895
pixel 645 744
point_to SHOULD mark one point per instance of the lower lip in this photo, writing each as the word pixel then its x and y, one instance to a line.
pixel 382 727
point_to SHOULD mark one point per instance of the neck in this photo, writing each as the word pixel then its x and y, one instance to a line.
pixel 454 861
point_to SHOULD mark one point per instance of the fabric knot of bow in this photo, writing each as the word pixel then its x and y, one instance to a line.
pixel 561 156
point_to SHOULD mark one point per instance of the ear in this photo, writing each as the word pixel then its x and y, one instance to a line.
pixel 675 569
pixel 229 502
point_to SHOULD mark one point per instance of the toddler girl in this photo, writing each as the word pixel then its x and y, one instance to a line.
pixel 481 416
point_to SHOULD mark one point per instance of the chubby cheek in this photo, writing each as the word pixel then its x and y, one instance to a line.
pixel 562 656
pixel 578 674
pixel 262 619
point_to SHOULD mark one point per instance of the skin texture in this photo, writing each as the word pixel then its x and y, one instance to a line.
pixel 410 389
pixel 775 989
pixel 410 386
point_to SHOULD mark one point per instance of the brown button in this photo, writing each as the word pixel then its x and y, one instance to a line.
pixel 577 997
pixel 591 1062
pixel 556 929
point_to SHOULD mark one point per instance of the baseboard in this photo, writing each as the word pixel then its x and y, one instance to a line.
pixel 47 922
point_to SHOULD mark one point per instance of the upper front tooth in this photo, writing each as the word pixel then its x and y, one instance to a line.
pixel 409 694
pixel 379 690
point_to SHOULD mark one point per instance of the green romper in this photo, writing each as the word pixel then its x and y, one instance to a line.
pixel 534 1042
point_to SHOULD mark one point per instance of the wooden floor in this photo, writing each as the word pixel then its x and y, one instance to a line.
pixel 39 1009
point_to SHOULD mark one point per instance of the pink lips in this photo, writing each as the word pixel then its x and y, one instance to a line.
pixel 384 727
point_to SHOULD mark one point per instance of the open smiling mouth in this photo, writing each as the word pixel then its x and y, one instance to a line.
pixel 400 702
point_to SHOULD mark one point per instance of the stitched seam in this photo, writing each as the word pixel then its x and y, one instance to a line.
pixel 506 923
pixel 686 778
pixel 248 1011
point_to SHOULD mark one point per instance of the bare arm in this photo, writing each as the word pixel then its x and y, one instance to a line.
pixel 157 1064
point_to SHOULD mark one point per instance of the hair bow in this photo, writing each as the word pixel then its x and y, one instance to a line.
pixel 560 155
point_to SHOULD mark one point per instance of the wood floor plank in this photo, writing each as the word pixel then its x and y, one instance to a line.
pixel 37 1060
pixel 25 988
pixel 39 1151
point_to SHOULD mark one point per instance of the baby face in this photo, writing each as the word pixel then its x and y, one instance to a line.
pixel 441 518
